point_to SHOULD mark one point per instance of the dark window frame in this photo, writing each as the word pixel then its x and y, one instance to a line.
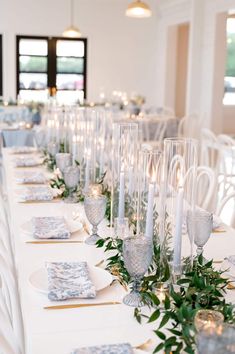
pixel 1 67
pixel 51 63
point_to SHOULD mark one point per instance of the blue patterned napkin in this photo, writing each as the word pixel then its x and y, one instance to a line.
pixel 36 194
pixel 122 348
pixel 30 177
pixel 48 227
pixel 23 149
pixel 69 280
pixel 26 161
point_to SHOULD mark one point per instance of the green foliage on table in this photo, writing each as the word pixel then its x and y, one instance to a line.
pixel 49 161
pixel 201 287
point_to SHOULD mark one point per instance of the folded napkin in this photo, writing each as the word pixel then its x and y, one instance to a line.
pixel 23 149
pixel 50 227
pixel 27 161
pixel 69 280
pixel 30 177
pixel 36 194
pixel 122 348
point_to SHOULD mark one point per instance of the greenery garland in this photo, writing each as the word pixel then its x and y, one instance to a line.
pixel 202 287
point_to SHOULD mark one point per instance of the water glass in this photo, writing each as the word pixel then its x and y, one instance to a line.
pixel 53 148
pixel 199 226
pixel 63 160
pixel 71 180
pixel 137 254
pixel 95 206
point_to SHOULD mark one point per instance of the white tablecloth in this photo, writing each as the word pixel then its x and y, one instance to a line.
pixel 60 331
pixel 17 137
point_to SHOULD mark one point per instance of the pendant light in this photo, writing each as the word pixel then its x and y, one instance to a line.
pixel 72 31
pixel 138 9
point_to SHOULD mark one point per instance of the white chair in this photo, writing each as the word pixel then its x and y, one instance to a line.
pixel 210 156
pixel 206 187
pixel 10 302
pixel 8 344
pixel 227 164
pixel 153 129
pixel 226 209
pixel 189 126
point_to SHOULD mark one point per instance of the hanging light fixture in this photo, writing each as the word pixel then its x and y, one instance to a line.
pixel 72 31
pixel 138 9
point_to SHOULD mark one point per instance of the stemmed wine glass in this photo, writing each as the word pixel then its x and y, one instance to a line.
pixel 63 160
pixel 199 225
pixel 95 206
pixel 137 254
pixel 71 179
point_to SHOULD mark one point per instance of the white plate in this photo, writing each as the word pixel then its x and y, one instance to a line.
pixel 73 226
pixel 99 277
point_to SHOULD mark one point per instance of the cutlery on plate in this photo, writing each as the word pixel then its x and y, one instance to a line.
pixel 219 231
pixel 51 242
pixel 73 306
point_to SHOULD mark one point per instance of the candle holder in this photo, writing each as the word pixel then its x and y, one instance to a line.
pixel 148 208
pixel 95 189
pixel 95 206
pixel 161 290
pixel 208 320
pixel 124 185
pixel 218 341
pixel 63 160
pixel 71 180
pixel 178 199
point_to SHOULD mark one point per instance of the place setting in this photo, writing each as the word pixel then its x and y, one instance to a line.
pixel 53 229
pixel 37 194
pixel 26 161
pixel 31 177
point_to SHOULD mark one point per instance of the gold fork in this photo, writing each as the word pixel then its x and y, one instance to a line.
pixel 73 306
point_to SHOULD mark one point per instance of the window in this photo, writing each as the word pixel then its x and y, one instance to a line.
pixel 1 76
pixel 229 80
pixel 48 65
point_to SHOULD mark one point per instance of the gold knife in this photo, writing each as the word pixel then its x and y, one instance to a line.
pixel 219 231
pixel 73 306
pixel 51 242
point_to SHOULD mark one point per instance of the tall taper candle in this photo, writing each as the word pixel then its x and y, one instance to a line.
pixel 149 216
pixel 178 229
pixel 121 201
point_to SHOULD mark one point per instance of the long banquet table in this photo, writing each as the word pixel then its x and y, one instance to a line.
pixel 59 331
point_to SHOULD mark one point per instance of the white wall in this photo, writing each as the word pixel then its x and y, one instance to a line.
pixel 205 72
pixel 122 52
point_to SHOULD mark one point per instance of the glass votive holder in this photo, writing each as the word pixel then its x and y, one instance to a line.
pixel 161 290
pixel 208 320
pixel 220 341
pixel 95 189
